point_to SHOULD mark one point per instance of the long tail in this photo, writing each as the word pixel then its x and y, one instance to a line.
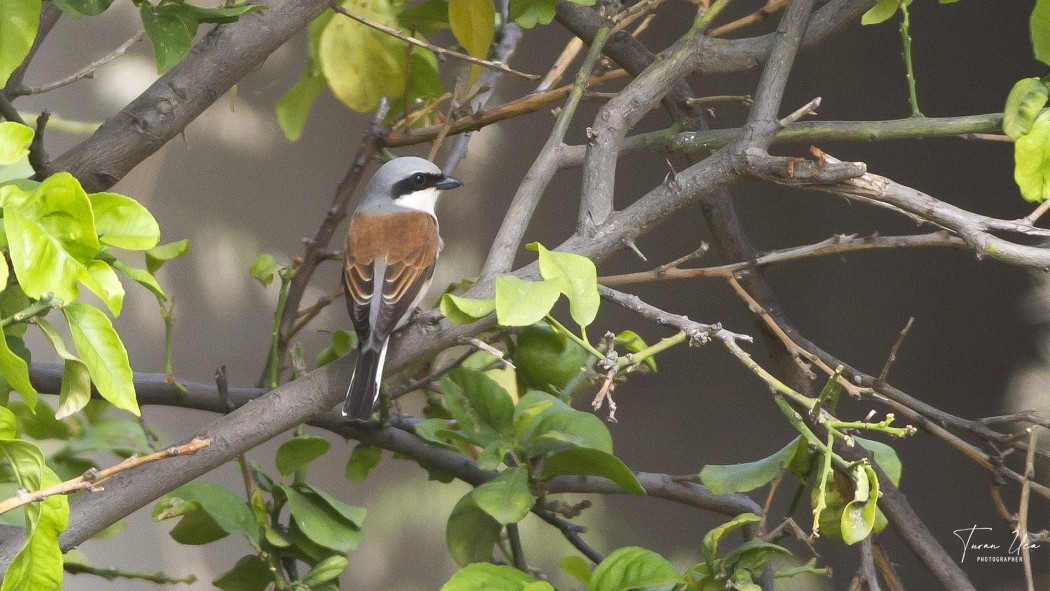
pixel 364 385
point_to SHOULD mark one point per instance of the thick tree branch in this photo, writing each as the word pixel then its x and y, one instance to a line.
pixel 224 56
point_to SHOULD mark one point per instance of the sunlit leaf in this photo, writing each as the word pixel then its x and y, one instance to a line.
pixel 19 20
pixel 14 140
pixel 462 310
pixel 1039 24
pixel 1032 160
pixel 1027 97
pixel 158 255
pixel 76 381
pixel 576 277
pixel 363 65
pixel 104 355
pixel 473 22
pixel 881 12
pixel 522 303
pixel 483 576
pixel 123 222
pixel 592 462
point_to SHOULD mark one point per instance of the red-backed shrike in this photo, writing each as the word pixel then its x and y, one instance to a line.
pixel 392 245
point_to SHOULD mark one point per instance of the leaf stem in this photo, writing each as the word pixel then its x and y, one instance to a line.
pixel 559 327
pixel 658 347
pixel 286 276
pixel 913 98
pixel 40 307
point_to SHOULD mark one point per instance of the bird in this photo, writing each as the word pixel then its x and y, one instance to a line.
pixel 392 245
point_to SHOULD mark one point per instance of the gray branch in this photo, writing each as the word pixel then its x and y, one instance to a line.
pixel 224 56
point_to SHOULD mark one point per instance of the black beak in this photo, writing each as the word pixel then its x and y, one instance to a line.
pixel 448 182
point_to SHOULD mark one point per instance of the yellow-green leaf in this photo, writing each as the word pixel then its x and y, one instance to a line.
pixel 76 380
pixel 1032 160
pixel 14 141
pixel 363 65
pixel 1026 99
pixel 123 222
pixel 102 280
pixel 473 23
pixel 15 370
pixel 19 20
pixel 104 355
pixel 521 303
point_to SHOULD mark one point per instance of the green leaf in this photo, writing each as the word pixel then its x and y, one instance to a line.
pixel 632 567
pixel 38 565
pixel 424 84
pixel 103 282
pixel 78 8
pixel 326 570
pixel 19 20
pixel 506 498
pixel 362 460
pixel 634 343
pixel 483 576
pixel 738 478
pixel 40 422
pixel 576 277
pixel 197 528
pixel 549 360
pixel 229 512
pixel 142 277
pixel 471 534
pixel 529 13
pixel 104 355
pixel 15 370
pixel 858 517
pixel 592 462
pixel 427 18
pixel 294 106
pixel 1026 99
pixel 122 437
pixel 378 67
pixel 473 22
pixel 713 537
pixel 355 516
pixel 342 343
pixel 521 303
pixel 483 408
pixel 1032 160
pixel 578 567
pixel 123 222
pixel 158 255
pixel 563 429
pixel 8 423
pixel 885 456
pixel 170 29
pixel 881 12
pixel 264 269
pixel 14 140
pixel 465 310
pixel 1039 24
pixel 298 452
pixel 322 524
pixel 251 573
pixel 76 380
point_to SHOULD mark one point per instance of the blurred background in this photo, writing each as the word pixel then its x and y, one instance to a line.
pixel 236 188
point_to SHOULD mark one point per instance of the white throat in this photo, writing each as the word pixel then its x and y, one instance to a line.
pixel 423 200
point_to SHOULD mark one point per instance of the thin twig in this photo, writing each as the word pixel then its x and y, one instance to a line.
pixel 91 479
pixel 759 15
pixel 896 347
pixel 87 71
pixel 1021 531
pixel 222 384
pixel 435 48
pixel 572 49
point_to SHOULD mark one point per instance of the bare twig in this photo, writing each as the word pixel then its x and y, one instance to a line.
pixel 770 8
pixel 1021 530
pixel 93 478
pixel 896 347
pixel 435 48
pixel 572 49
pixel 832 246
pixel 527 197
pixel 87 71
